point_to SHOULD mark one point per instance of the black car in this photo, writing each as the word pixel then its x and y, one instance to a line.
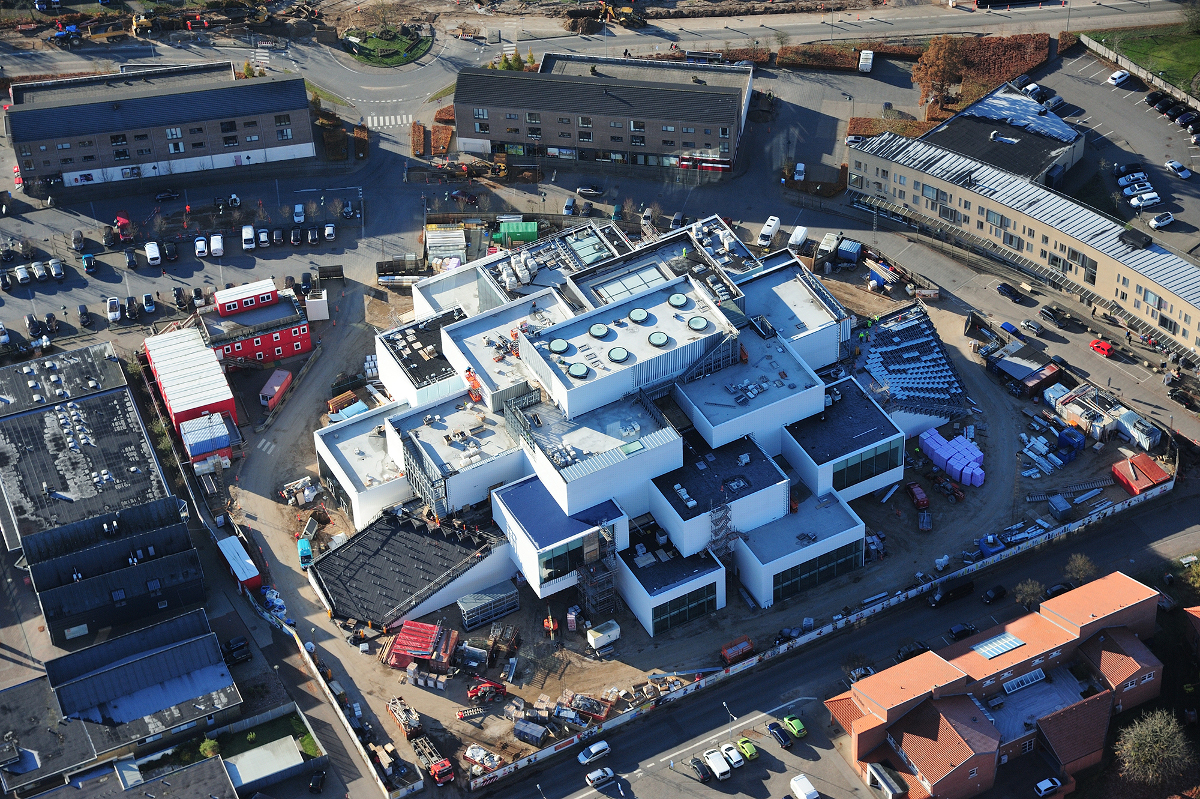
pixel 297 236
pixel 130 258
pixel 109 236
pixel 314 236
pixel 180 298
pixel 701 770
pixel 961 631
pixel 348 210
pixel 7 254
pixel 166 195
pixel 238 655
pixel 85 318
pixel 277 236
pixel 1120 170
pixel 781 736
pixel 585 209
pixel 33 325
pixel 51 323
pixel 1164 104
pixel 458 195
pixel 1060 361
pixel 197 296
pixel 170 251
pixel 5 281
pixel 1182 397
pixel 1051 316
pixel 317 783
pixel 1041 94
pixel 131 308
pixel 1154 96
pixel 1175 112
pixel 909 651
pixel 1186 119
pixel 1057 590
pixel 1193 127
pixel 1006 290
pixel 305 283
pixel 1021 82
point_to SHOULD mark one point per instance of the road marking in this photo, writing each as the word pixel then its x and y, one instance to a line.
pixel 267 447
pixel 743 721
pixel 389 121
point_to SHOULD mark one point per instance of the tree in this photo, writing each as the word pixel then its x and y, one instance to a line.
pixel 937 68
pixel 782 39
pixel 311 208
pixel 629 207
pixel 209 747
pixel 1154 748
pixel 1191 16
pixel 248 70
pixel 529 58
pixel 505 63
pixel 518 63
pixel 337 206
pixel 314 102
pixel 1028 591
pixel 1080 568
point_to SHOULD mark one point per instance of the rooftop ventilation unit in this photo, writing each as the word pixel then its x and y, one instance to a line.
pixel 598 330
pixel 657 339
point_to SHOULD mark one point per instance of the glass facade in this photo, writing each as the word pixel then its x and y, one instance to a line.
pixel 683 609
pixel 821 569
pixel 865 465
pixel 560 561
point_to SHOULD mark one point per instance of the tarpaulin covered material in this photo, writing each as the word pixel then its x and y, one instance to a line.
pixel 1139 473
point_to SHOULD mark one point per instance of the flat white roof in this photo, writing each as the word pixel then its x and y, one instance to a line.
pixel 471 336
pixel 817 520
pixel 454 424
pixel 359 451
pixel 188 372
pixel 237 293
pixel 790 301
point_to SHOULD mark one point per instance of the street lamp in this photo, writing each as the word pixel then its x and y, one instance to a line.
pixel 732 719
pixel 543 793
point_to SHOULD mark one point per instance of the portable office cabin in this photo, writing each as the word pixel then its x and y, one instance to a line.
pixel 276 387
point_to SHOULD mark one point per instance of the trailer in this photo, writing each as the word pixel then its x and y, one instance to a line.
pixel 737 650
pixel 866 60
pixel 408 719
pixel 439 768
pixel 276 386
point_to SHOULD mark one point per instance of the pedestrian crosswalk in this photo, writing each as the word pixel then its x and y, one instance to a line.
pixel 267 446
pixel 389 121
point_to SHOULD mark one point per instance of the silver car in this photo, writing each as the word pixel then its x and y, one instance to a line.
pixel 1138 188
pixel 1133 178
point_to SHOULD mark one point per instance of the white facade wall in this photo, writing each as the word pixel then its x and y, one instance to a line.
pixel 642 604
pixel 688 537
pixel 627 481
pixel 203 163
pixel 819 348
pixel 765 423
pixel 365 505
pixel 477 146
pixel 804 465
pixel 391 373
pixel 746 513
pixel 470 485
pixel 914 424
pixel 759 578
pixel 495 567
pixel 762 506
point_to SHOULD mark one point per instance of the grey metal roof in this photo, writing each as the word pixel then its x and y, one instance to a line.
pixel 207 778
pixel 94 593
pixel 49 744
pixel 56 91
pixel 137 107
pixel 599 95
pixel 77 536
pixel 1172 272
pixel 181 628
pixel 1008 105
pixel 108 556
pixel 646 69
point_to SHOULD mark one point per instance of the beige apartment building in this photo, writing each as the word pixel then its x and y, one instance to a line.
pixel 1035 229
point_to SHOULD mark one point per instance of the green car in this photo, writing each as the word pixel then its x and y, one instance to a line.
pixel 617 215
pixel 747 748
pixel 795 726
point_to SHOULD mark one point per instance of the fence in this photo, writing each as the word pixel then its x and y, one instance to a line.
pixel 848 621
pixel 253 721
pixel 1146 76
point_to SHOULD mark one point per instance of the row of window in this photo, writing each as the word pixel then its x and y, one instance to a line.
pixel 637 126
pixel 1159 309
pixel 248 302
pixel 172 134
pixel 693 605
pixel 296 333
pixel 818 570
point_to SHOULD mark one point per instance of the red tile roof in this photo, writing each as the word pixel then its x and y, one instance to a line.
pixel 845 710
pixel 1039 634
pixel 1102 597
pixel 1080 729
pixel 938 736
pixel 1193 616
pixel 908 680
pixel 885 752
pixel 1118 654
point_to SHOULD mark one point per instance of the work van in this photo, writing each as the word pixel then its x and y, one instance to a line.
pixel 717 764
pixel 768 232
pixel 153 255
pixel 217 246
pixel 1011 329
pixel 799 236
pixel 247 237
pixel 802 788
pixel 950 591
pixel 304 550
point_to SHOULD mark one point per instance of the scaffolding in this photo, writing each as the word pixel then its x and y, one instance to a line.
pixel 597 575
pixel 482 607
pixel 723 532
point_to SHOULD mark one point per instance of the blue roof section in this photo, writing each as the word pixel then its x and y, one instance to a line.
pixel 544 521
pixel 1007 105
pixel 204 434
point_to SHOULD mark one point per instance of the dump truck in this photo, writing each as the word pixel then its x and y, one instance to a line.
pixel 408 719
pixel 439 768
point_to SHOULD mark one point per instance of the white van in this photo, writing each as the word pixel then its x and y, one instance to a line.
pixel 799 236
pixel 803 789
pixel 768 231
pixel 153 256
pixel 216 247
pixel 247 237
pixel 717 764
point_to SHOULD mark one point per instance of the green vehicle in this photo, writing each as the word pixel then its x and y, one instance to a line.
pixel 795 726
pixel 747 748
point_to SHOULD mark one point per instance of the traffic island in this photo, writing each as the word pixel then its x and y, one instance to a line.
pixel 386 46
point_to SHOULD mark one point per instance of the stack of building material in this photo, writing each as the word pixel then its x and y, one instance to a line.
pixel 959 457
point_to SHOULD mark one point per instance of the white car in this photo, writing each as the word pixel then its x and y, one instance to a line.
pixel 1117 78
pixel 733 755
pixel 1162 220
pixel 1145 200
pixel 594 752
pixel 148 302
pixel 330 231
pixel 799 174
pixel 1138 188
pixel 114 309
pixel 1133 178
pixel 852 140
pixel 1179 169
pixel 298 214
pixel 1047 787
pixel 3 334
pixel 201 246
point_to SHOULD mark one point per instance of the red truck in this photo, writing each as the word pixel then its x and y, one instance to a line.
pixel 737 650
pixel 487 691
pixel 439 768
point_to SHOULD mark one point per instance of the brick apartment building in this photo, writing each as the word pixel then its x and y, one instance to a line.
pixel 660 115
pixel 941 723
pixel 255 322
pixel 155 122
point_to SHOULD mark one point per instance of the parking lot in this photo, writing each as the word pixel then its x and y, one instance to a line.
pixel 1120 129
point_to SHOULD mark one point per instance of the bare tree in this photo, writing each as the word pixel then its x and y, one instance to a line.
pixel 1080 568
pixel 1191 16
pixel 855 661
pixel 337 206
pixel 484 203
pixel 311 208
pixel 237 216
pixel 285 211
pixel 1028 592
pixel 655 212
pixel 160 224
pixel 1154 748
pixel 629 207
pixel 262 215
pixel 782 39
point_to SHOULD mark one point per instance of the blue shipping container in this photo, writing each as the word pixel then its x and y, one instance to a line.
pixel 204 434
pixel 1071 438
pixel 849 250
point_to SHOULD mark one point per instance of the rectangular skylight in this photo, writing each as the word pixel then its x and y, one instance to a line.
pixel 994 647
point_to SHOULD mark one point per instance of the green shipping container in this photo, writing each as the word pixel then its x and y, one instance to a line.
pixel 518 231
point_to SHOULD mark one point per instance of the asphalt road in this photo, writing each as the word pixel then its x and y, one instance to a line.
pixel 1137 543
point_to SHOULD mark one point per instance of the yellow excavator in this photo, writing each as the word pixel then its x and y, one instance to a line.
pixel 625 16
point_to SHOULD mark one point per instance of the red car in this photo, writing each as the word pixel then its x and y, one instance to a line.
pixel 1102 347
pixel 917 495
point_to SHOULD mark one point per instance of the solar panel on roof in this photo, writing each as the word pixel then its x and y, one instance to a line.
pixel 998 645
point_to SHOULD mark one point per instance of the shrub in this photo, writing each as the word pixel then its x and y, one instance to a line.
pixel 440 140
pixel 759 55
pixel 387 34
pixel 444 115
pixel 866 126
pixel 417 139
pixel 819 56
pixel 995 59
pixel 210 748
pixel 1066 40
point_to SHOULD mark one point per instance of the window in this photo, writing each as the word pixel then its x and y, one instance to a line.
pixel 818 570
pixel 640 127
pixel 64 146
pixel 174 133
pixel 258 342
pixel 259 356
pixel 585 135
pixel 564 135
pixel 194 131
pixel 1124 296
pixel 252 138
pixel 1168 324
pixel 295 332
pixel 227 349
pixel 238 346
pixel 231 306
pixel 304 328
pixel 707 131
pixel 480 113
pixel 175 147
pixel 585 122
pixel 162 604
pixel 183 727
pixel 150 739
pixel 884 174
pixel 972 774
pixel 724 146
pixel 693 605
pixel 616 138
pixel 264 298
pixel 118 597
pixel 560 561
pixel 89 158
pixel 517 131
pixel 142 137
pixel 248 302
pixel 865 465
pixel 668 142
pixel 231 141
pixel 901 195
pixel 67 161
pixel 1129 686
pixel 283 134
pixel 689 144
pixel 668 128
pixel 120 155
pixel 25 150
pixel 616 124
pixel 637 141
pixel 724 133
pixel 564 120
pixel 1147 677
pixel 297 346
pixel 197 145
pixel 1013 241
pixel 482 127
pixel 535 133
pixel 279 350
pixel 118 139
pixel 533 119
pixel 1027 746
pixel 689 130
pixel 46 163
pixel 144 150
pixel 283 119
pixel 275 336
pixel 154 587
pixel 228 127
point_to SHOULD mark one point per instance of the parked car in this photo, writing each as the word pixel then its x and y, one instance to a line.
pixel 1061 361
pixel 216 245
pixel 589 191
pixel 169 194
pixel 1138 188
pixel 306 283
pixel 1176 111
pixel 298 214
pixel 993 594
pixel 1047 787
pixel 617 214
pixel 1117 78
pixel 1021 81
pixel 1032 327
pixel 910 651
pixel 1162 220
pixel 647 217
pixel 201 246
pixel 32 325
pixel 197 296
pixel 1126 169
pixel 6 282
pixel 600 777
pixel 1186 119
pixel 170 251
pixel 330 231
pixel 317 783
pixel 314 236
pixel 1182 397
pixel 1008 291
pixel 1101 347
pixel 594 752
pixel 297 236
pixel 917 495
pixel 1154 96
pixel 852 140
pixel 798 173
pixel 264 237
pixel 131 308
pixel 180 297
pixel 700 770
pixel 569 207
pixel 458 195
pixel 108 237
pixel 148 302
pixel 1165 104
pixel 1145 200
pixel 780 734
pixel 1130 179
pixel 1058 590
pixel 677 220
pixel 795 726
pixel 3 334
pixel 85 317
pixel 277 236
pixel 961 631
pixel 747 748
pixel 40 272
pixel 57 271
pixel 585 209
pixel 348 210
pixel 130 258
pixel 1178 169
pixel 732 754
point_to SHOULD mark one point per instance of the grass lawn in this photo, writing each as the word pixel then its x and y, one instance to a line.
pixel 1166 48
pixel 445 91
pixel 325 94
pixel 368 47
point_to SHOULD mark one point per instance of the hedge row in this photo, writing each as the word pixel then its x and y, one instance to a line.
pixel 819 56
pixel 441 140
pixel 866 126
pixel 995 59
pixel 444 115
pixel 417 139
pixel 1066 40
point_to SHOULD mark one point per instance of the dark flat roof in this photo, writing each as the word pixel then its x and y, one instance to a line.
pixel 207 778
pixel 849 425
pixel 76 371
pixel 542 517
pixel 600 95
pixel 386 563
pixel 120 85
pixel 79 567
pixel 658 577
pixel 78 536
pixel 410 345
pixel 49 743
pixel 1029 156
pixel 711 476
